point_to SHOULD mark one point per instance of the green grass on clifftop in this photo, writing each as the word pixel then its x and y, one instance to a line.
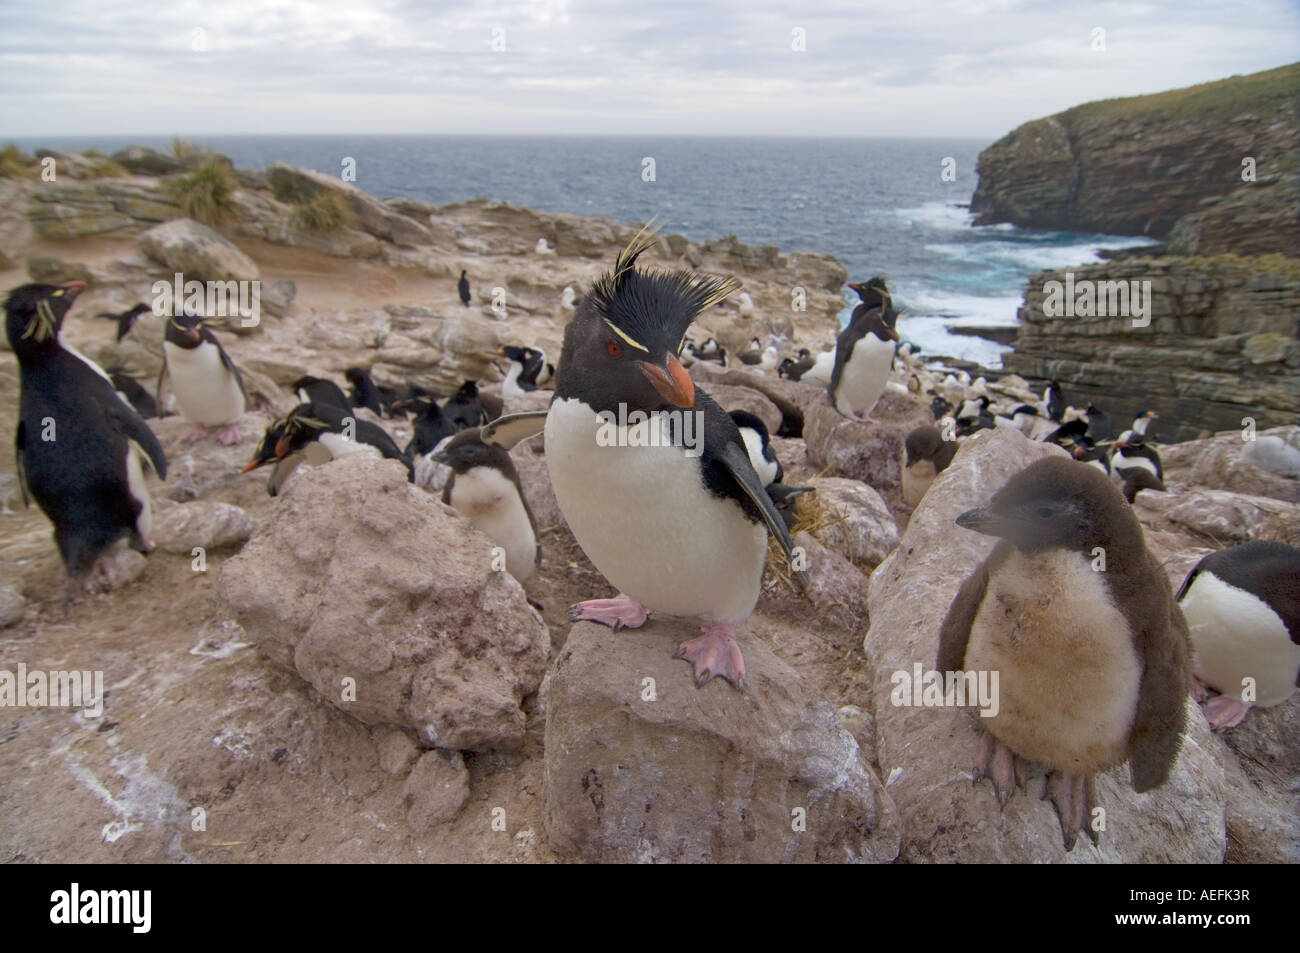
pixel 1271 91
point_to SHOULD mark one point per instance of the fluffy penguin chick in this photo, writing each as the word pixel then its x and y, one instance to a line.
pixel 1093 665
pixel 925 455
pixel 484 488
pixel 675 518
pixel 80 449
pixel 1242 607
pixel 207 385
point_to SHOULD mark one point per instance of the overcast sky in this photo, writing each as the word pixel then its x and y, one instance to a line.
pixel 903 68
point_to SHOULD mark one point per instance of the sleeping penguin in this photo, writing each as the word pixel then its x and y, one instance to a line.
pixel 80 449
pixel 207 385
pixel 676 519
pixel 1242 607
pixel 864 353
pixel 1094 666
pixel 484 488
pixel 316 434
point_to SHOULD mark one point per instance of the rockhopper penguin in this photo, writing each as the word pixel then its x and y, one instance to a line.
pixel 1094 665
pixel 1242 607
pixel 80 449
pixel 484 488
pixel 676 519
pixel 864 353
pixel 207 385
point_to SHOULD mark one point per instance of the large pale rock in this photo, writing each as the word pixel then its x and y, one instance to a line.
pixel 145 161
pixel 209 524
pixel 12 605
pixel 700 775
pixel 360 575
pixel 197 252
pixel 1223 462
pixel 76 210
pixel 864 531
pixel 930 752
pixel 373 216
pixel 1215 515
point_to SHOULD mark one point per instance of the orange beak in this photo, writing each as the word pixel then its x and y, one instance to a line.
pixel 893 334
pixel 74 287
pixel 671 381
pixel 252 465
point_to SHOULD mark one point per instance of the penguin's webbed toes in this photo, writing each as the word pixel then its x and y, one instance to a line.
pixel 714 653
pixel 620 613
pixel 1072 796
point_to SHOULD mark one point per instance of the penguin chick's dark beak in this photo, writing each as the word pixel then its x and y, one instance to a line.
pixel 981 520
pixel 671 381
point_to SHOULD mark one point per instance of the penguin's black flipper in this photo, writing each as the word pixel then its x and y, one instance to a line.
pixel 225 358
pixel 1165 646
pixel 20 448
pixel 735 458
pixel 127 422
pixel 841 358
pixel 954 633
pixel 514 429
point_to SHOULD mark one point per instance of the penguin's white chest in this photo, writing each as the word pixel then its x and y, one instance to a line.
pixel 488 499
pixel 644 517
pixel 206 391
pixel 1237 637
pixel 1069 675
pixel 864 375
pixel 1123 461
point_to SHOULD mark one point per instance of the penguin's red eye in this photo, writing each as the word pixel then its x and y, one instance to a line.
pixel 613 348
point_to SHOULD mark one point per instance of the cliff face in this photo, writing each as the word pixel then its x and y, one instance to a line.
pixel 1223 343
pixel 1168 164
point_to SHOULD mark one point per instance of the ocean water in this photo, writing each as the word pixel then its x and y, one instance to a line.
pixel 881 206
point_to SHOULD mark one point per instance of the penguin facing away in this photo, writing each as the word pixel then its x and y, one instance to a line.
pixel 126 320
pixel 312 390
pixel 679 532
pixel 462 288
pixel 1094 666
pixel 80 449
pixel 365 393
pixel 864 355
pixel 1242 607
pixel 484 488
pixel 207 385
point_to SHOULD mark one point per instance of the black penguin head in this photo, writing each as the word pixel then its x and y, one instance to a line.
pixel 1058 504
pixel 357 376
pixel 874 293
pixel 34 316
pixel 305 423
pixel 517 354
pixel 623 342
pixel 877 322
pixel 939 407
pixel 185 330
pixel 466 450
pixel 467 391
pixel 744 418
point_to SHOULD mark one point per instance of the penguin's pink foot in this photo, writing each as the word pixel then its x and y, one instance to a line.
pixel 864 418
pixel 997 762
pixel 715 653
pixel 1224 711
pixel 229 435
pixel 620 613
pixel 198 433
pixel 1071 795
pixel 1199 691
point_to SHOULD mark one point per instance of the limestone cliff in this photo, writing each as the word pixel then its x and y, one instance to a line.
pixel 1164 165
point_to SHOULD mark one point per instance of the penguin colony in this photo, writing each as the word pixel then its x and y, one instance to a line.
pixel 1094 666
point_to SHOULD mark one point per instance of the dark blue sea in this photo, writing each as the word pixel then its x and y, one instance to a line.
pixel 880 205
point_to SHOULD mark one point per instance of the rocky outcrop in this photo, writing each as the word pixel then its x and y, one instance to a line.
pixel 94 208
pixel 928 752
pixel 197 252
pixel 1224 462
pixel 641 766
pixel 385 601
pixel 372 215
pixel 1223 343
pixel 1138 166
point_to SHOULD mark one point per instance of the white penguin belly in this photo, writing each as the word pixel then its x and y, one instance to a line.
pixel 340 446
pixel 136 485
pixel 1237 636
pixel 1121 462
pixel 643 515
pixel 764 467
pixel 1069 675
pixel 863 377
pixel 489 500
pixel 822 369
pixel 206 392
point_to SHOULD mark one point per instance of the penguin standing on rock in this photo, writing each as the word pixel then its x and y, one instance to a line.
pixel 864 353
pixel 652 476
pixel 484 488
pixel 1242 607
pixel 80 449
pixel 462 287
pixel 207 385
pixel 1054 401
pixel 1094 666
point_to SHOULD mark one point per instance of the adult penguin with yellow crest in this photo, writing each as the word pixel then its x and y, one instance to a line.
pixel 80 449
pixel 652 476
